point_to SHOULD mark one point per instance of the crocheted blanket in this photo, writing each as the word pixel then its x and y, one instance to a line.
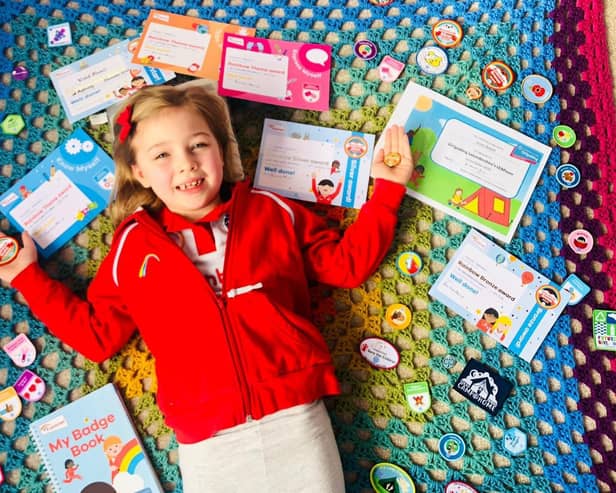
pixel 562 401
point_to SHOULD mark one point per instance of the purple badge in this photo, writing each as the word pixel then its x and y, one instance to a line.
pixel 30 386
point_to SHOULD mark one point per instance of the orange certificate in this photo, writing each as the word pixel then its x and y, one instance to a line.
pixel 184 44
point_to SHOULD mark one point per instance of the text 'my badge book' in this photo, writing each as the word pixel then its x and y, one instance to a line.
pixel 92 442
pixel 62 194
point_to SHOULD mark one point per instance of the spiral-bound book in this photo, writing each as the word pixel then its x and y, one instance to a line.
pixel 92 444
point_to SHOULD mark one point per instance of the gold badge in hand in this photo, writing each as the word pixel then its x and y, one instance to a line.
pixel 392 159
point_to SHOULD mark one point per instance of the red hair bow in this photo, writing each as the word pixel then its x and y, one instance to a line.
pixel 123 121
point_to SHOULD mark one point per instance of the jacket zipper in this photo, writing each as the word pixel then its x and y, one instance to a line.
pixel 228 327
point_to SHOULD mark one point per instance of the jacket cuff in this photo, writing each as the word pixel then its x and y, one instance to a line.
pixel 29 278
pixel 388 193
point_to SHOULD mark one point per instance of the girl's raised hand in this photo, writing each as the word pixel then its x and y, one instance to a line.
pixel 26 256
pixel 396 146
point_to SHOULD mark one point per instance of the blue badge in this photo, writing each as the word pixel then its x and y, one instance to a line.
pixel 536 88
pixel 576 287
pixel 568 175
pixel 451 447
pixel 483 386
pixel 515 441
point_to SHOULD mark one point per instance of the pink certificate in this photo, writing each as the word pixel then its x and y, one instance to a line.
pixel 284 73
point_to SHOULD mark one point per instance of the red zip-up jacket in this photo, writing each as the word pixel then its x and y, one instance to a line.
pixel 222 359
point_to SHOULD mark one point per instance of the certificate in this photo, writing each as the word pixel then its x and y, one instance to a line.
pixel 284 73
pixel 62 194
pixel 501 295
pixel 184 44
pixel 102 79
pixel 466 164
pixel 315 164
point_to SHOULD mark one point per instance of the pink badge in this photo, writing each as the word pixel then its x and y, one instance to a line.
pixel 30 386
pixel 21 350
pixel 390 69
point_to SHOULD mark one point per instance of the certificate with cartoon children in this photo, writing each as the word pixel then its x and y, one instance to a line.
pixel 315 164
pixel 501 295
pixel 466 164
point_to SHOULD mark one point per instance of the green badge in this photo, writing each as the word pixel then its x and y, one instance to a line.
pixel 604 329
pixel 418 396
pixel 564 136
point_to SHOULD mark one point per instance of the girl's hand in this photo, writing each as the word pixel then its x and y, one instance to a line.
pixel 396 141
pixel 27 255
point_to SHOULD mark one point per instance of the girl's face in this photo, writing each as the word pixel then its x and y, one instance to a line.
pixel 178 157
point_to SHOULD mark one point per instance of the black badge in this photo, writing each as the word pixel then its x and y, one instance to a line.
pixel 483 386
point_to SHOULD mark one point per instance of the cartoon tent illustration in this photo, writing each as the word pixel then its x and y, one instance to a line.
pixel 489 205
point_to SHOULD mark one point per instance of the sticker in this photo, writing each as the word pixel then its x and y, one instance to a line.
pixel 483 386
pixel 365 49
pixel 20 73
pixel 604 329
pixel 409 263
pixel 398 316
pixel 576 287
pixel 447 33
pixel 432 60
pixel 474 92
pixel 449 361
pixel 21 350
pixel 515 441
pixel 459 487
pixel 564 136
pixel 451 446
pixel 568 175
pixel 389 478
pixel 580 241
pixel 547 297
pixel 418 396
pixel 379 353
pixel 390 69
pixel 30 386
pixel 9 248
pixel 536 88
pixel 497 75
pixel 59 35
pixel 10 404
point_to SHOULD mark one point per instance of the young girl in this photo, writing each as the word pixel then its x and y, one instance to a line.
pixel 214 275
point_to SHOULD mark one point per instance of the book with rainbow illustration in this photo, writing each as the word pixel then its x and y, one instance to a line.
pixel 92 442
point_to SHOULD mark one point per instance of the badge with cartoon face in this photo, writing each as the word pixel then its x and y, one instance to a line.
pixel 10 404
pixel 21 350
pixel 30 386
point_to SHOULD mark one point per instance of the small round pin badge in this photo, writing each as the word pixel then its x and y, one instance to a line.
pixel 409 263
pixel 537 88
pixel 432 60
pixel 447 33
pixel 386 477
pixel 451 446
pixel 497 75
pixel 568 175
pixel 580 241
pixel 381 3
pixel 449 361
pixel 398 316
pixel 365 49
pixel 9 248
pixel 564 136
pixel 473 92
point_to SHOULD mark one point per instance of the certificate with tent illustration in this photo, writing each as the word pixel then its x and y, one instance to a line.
pixel 501 295
pixel 466 164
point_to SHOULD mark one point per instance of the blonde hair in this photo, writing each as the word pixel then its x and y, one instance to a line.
pixel 128 193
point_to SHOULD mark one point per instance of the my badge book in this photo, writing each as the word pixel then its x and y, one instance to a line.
pixel 315 164
pixel 62 194
pixel 504 297
pixel 92 442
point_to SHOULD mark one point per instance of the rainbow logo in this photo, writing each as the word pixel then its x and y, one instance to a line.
pixel 144 265
pixel 131 456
